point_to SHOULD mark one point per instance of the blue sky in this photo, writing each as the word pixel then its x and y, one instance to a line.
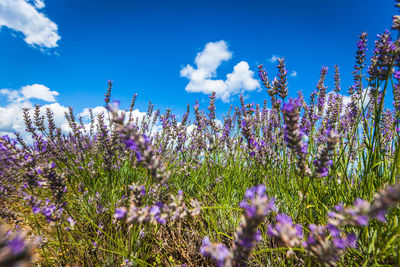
pixel 66 50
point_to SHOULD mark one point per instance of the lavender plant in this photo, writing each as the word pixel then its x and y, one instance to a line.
pixel 130 191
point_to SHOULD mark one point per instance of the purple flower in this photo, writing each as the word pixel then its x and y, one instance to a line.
pixel 204 246
pixel 218 252
pixel 17 245
pixel 380 215
pixel 293 134
pixel 283 218
pixel 155 210
pixel 397 75
pixel 322 161
pixel 120 213
pixel 333 230
pixel 362 220
pixel 291 106
pixel 288 233
pixel 345 242
pixel 36 209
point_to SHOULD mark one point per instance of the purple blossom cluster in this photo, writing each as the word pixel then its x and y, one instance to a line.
pixel 256 206
pixel 327 242
pixel 159 213
pixel 324 242
pixel 15 248
pixel 322 161
pixel 362 211
pixel 286 231
pixel 294 135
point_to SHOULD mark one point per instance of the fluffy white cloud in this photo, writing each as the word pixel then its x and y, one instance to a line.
pixel 11 117
pixel 207 62
pixel 11 114
pixel 39 91
pixel 293 74
pixel 212 56
pixel 22 16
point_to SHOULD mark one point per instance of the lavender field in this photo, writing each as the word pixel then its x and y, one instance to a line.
pixel 305 181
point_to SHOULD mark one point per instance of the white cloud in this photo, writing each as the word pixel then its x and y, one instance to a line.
pixel 212 56
pixel 207 62
pixel 39 91
pixel 293 74
pixel 11 94
pixel 11 119
pixel 273 59
pixel 22 16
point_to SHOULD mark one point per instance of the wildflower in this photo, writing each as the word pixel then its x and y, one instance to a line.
pixel 362 211
pixel 107 95
pixel 327 243
pixel 263 76
pixel 321 90
pixel 17 245
pixel 282 82
pixel 322 161
pixel 384 200
pixel 289 234
pixel 256 205
pixel 15 250
pixel 218 252
pixel 337 79
pixel 293 134
pixel 120 213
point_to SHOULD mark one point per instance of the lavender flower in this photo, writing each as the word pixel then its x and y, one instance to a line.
pixel 382 58
pixel 321 90
pixel 263 76
pixel 384 200
pixel 362 211
pixel 282 81
pixel 354 215
pixel 337 79
pixel 15 250
pixel 256 205
pixel 120 213
pixel 107 95
pixel 293 134
pixel 218 252
pixel 322 161
pixel 327 243
pixel 286 231
pixel 159 212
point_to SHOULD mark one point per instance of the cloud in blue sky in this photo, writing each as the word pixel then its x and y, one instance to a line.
pixel 11 119
pixel 293 74
pixel 273 59
pixel 39 4
pixel 24 17
pixel 207 63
